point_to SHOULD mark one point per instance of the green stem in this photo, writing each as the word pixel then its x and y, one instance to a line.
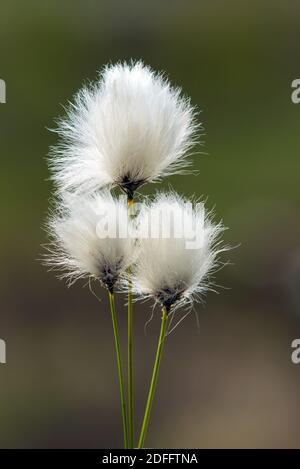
pixel 129 350
pixel 157 362
pixel 120 368
pixel 130 369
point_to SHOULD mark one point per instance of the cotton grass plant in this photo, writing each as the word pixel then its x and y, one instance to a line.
pixel 130 128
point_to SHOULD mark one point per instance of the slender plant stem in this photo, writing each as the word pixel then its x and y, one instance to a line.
pixel 129 350
pixel 157 362
pixel 130 368
pixel 120 367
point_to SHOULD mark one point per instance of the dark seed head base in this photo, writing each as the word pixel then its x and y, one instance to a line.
pixel 168 297
pixel 130 185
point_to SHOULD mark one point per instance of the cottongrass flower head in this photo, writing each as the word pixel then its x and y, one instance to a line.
pixel 128 128
pixel 81 244
pixel 175 269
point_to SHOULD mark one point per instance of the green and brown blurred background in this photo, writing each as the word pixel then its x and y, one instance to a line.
pixel 229 382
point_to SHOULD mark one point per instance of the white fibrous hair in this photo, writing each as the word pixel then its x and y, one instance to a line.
pixel 169 270
pixel 81 244
pixel 129 128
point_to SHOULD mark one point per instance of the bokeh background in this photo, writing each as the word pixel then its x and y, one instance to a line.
pixel 229 382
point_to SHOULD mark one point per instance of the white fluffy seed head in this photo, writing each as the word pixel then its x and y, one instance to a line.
pixel 81 245
pixel 167 271
pixel 129 128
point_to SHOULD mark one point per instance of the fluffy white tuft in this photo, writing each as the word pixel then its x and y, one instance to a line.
pixel 80 245
pixel 129 128
pixel 166 270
